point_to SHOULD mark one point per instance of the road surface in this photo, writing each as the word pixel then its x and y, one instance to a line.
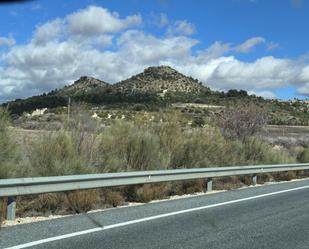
pixel 269 216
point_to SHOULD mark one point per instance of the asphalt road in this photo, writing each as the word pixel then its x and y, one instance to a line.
pixel 270 216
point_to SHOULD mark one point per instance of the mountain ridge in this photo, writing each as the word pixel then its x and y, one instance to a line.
pixel 154 89
pixel 83 84
pixel 159 79
pixel 154 80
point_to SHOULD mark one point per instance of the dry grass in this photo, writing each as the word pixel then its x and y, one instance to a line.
pixel 3 204
pixel 44 204
pixel 82 200
pixel 113 198
pixel 227 183
pixel 8 152
pixel 150 192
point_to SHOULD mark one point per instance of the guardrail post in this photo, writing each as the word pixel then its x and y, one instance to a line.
pixel 11 208
pixel 254 179
pixel 209 184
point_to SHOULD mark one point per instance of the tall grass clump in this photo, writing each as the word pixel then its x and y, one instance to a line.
pixel 66 152
pixel 126 147
pixel 303 156
pixel 71 150
pixel 57 154
pixel 254 151
pixel 8 150
pixel 201 148
pixel 171 137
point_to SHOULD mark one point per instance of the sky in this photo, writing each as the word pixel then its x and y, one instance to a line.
pixel 260 46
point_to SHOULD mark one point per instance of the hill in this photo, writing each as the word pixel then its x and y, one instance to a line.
pixel 160 80
pixel 159 87
pixel 83 85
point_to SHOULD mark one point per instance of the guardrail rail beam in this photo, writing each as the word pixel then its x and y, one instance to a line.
pixel 40 185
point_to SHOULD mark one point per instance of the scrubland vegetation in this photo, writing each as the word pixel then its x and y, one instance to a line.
pixel 83 147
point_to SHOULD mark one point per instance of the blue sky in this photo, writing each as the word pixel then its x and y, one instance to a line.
pixel 257 45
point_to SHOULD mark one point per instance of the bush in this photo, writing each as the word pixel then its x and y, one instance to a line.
pixel 255 151
pixel 113 198
pixel 241 121
pixel 204 148
pixel 139 107
pixel 43 204
pixel 8 152
pixel 303 157
pixel 149 192
pixel 3 204
pixel 49 202
pixel 57 154
pixel 126 147
pixel 82 200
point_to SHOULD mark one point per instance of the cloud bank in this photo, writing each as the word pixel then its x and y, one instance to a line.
pixel 98 42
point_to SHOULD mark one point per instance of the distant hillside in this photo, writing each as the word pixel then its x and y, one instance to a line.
pixel 154 80
pixel 160 79
pixel 83 85
pixel 155 88
pixel 148 87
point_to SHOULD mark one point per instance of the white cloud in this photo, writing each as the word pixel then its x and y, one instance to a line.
pixel 304 77
pixel 94 20
pixel 48 31
pixel 264 94
pixel 55 57
pixel 304 90
pixel 160 20
pixel 104 40
pixel 216 50
pixel 182 28
pixel 249 44
pixel 7 41
pixel 148 49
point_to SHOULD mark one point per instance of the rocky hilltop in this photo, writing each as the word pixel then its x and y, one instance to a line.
pixel 84 84
pixel 154 80
pixel 159 80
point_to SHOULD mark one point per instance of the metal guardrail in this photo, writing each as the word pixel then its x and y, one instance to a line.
pixel 39 185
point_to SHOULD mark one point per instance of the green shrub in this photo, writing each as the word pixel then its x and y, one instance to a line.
pixel 125 147
pixel 58 154
pixel 82 200
pixel 303 157
pixel 255 151
pixel 200 148
pixel 8 151
pixel 113 198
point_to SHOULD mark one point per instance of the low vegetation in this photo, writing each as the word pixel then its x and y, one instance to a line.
pixel 166 143
pixel 8 152
pixel 241 122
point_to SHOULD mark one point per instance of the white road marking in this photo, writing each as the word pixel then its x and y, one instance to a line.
pixel 94 230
